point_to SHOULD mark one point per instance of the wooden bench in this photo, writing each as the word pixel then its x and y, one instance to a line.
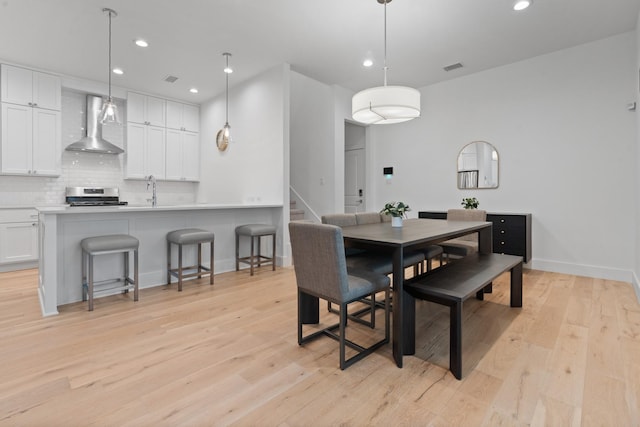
pixel 451 285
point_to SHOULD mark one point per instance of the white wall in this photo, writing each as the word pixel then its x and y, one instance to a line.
pixel 636 276
pixel 565 141
pixel 312 164
pixel 318 114
pixel 342 112
pixel 254 168
pixel 251 170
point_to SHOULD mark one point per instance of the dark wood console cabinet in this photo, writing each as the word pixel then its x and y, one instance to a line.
pixel 511 232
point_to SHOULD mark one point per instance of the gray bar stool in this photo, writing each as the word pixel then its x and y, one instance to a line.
pixel 102 245
pixel 189 236
pixel 252 231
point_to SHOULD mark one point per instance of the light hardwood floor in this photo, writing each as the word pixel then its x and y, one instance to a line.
pixel 227 354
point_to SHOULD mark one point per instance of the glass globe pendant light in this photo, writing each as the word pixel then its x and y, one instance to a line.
pixel 224 135
pixel 109 113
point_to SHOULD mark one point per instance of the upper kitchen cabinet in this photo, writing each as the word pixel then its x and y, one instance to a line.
pixel 30 122
pixel 30 88
pixel 146 110
pixel 31 141
pixel 183 117
pixel 183 156
pixel 145 151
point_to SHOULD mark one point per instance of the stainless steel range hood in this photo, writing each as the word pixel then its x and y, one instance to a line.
pixel 93 142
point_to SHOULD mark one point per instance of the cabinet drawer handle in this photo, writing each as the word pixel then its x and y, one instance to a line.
pixel 502 220
pixel 501 231
pixel 502 243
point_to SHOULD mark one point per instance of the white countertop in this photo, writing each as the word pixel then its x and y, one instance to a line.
pixel 17 207
pixel 66 209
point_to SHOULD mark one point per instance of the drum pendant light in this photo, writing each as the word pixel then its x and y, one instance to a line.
pixel 224 135
pixel 386 104
pixel 109 113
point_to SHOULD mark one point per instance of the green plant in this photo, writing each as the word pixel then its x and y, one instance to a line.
pixel 397 209
pixel 470 203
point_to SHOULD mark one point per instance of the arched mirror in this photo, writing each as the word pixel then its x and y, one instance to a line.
pixel 478 166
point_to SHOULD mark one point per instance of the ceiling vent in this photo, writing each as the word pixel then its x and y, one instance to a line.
pixel 170 79
pixel 453 67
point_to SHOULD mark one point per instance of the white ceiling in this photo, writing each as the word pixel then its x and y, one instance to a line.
pixel 324 39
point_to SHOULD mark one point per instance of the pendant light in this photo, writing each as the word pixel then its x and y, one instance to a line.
pixel 386 104
pixel 223 138
pixel 109 113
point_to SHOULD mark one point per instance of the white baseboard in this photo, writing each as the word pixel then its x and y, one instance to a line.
pixel 595 271
pixel 25 265
pixel 635 282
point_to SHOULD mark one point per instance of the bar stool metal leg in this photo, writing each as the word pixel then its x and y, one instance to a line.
pixel 179 268
pixel 253 260
pixel 259 257
pixel 85 289
pixel 168 263
pixel 237 252
pixel 199 260
pixel 90 285
pixel 126 270
pixel 211 265
pixel 135 275
pixel 273 253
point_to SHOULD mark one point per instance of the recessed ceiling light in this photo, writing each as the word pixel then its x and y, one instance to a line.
pixel 521 4
pixel 367 63
pixel 141 43
pixel 118 71
pixel 193 90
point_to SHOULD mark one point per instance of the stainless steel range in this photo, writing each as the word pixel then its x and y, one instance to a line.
pixel 93 196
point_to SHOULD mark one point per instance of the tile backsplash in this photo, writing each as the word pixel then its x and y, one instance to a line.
pixel 87 169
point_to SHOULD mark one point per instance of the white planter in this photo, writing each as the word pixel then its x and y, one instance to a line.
pixel 396 221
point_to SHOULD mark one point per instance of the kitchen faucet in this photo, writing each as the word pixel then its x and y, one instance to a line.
pixel 151 180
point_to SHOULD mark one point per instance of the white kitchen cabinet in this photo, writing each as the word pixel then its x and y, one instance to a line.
pixel 145 151
pixel 183 116
pixel 146 110
pixel 18 236
pixel 31 141
pixel 31 88
pixel 183 156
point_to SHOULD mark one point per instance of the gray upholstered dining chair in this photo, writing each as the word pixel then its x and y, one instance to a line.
pixel 365 260
pixel 368 218
pixel 321 271
pixel 462 246
pixel 432 252
pixel 340 219
pixel 381 263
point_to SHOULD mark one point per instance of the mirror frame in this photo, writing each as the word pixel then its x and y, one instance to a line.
pixel 472 175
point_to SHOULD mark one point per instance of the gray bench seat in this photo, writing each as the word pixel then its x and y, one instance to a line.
pixel 451 285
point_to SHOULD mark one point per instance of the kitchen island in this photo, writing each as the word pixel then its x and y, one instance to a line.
pixel 61 229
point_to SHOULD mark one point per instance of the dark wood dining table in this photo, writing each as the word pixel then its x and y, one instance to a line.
pixel 414 234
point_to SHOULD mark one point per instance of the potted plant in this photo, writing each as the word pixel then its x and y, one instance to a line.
pixel 397 210
pixel 470 203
